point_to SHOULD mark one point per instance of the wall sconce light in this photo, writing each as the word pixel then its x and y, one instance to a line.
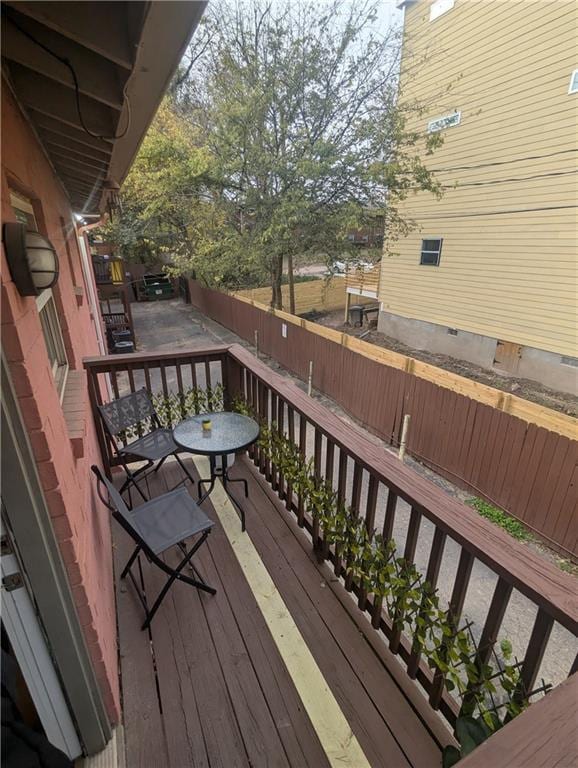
pixel 31 258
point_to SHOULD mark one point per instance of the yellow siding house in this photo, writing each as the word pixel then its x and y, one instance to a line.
pixel 490 273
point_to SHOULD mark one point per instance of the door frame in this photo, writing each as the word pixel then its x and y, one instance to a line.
pixel 29 520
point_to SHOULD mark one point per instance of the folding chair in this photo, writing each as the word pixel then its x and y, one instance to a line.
pixel 156 446
pixel 156 526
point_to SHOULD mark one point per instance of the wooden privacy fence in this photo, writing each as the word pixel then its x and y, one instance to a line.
pixel 518 455
pixel 320 295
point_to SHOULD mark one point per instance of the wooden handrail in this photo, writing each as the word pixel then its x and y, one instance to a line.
pixel 545 584
pixel 103 363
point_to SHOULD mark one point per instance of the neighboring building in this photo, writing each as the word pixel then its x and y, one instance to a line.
pixel 489 276
pixel 58 607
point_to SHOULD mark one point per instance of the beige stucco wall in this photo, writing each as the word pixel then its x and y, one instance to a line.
pixel 508 276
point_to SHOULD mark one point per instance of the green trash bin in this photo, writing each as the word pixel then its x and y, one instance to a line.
pixel 156 287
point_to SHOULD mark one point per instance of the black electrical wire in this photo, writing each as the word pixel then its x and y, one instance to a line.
pixel 68 65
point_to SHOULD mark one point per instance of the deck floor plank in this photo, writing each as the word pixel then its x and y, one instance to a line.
pixel 350 666
pixel 143 723
pixel 226 696
pixel 408 730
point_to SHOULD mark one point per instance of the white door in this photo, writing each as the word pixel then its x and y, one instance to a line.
pixel 28 643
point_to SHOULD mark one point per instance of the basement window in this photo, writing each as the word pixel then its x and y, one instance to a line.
pixel 572 361
pixel 573 82
pixel 431 250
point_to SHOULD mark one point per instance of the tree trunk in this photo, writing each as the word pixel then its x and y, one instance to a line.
pixel 291 283
pixel 276 278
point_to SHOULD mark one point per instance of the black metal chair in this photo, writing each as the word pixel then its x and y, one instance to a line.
pixel 156 526
pixel 127 412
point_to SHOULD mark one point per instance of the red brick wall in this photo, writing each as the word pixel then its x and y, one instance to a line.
pixel 81 523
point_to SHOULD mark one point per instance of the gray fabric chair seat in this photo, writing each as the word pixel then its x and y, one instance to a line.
pixel 168 520
pixel 154 446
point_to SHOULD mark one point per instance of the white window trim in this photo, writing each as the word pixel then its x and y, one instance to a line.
pixel 438 252
pixel 439 7
pixel 59 370
pixel 573 87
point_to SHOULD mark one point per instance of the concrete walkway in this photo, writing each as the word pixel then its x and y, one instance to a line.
pixel 168 325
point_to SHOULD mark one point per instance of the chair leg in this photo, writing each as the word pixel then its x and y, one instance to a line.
pixel 183 467
pixel 131 560
pixel 159 465
pixel 131 478
pixel 176 574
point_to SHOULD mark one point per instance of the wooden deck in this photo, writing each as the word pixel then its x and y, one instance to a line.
pixel 208 685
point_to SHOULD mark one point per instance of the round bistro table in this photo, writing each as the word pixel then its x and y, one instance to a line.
pixel 230 433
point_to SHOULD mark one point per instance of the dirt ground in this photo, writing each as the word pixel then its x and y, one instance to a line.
pixel 529 390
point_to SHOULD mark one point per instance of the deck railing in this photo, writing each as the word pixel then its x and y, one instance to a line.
pixel 386 492
pixel 361 279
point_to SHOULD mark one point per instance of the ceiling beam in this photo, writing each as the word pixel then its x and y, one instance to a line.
pixel 52 139
pixel 98 25
pixel 83 160
pixel 92 175
pixel 45 123
pixel 97 77
pixel 57 101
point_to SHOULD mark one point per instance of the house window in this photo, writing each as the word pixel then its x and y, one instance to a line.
pixel 573 82
pixel 48 317
pixel 445 121
pixel 52 337
pixel 439 7
pixel 431 251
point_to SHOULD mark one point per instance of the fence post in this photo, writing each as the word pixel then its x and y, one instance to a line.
pixel 310 379
pixel 404 431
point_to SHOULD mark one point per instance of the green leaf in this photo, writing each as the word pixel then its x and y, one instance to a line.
pixel 450 756
pixel 470 733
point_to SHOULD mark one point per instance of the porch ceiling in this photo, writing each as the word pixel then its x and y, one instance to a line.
pixel 123 55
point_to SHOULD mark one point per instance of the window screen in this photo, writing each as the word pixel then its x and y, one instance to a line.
pixel 430 252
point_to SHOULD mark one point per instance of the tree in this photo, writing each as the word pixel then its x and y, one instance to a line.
pixel 165 194
pixel 297 106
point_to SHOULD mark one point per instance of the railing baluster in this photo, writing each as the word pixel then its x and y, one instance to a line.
pixel 534 654
pixel 355 500
pixel 389 515
pixel 408 556
pixel 303 452
pixel 147 376
pixel 208 385
pixel 455 609
pixel 317 471
pixel 167 408
pixel 264 464
pixel 491 628
pixel 281 428
pixel 341 484
pixel 329 461
pixel 273 427
pixel 291 432
pixel 181 392
pixel 431 578
pixel 113 378
pixel 370 507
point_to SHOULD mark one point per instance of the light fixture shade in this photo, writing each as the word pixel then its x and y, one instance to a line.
pixel 31 257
